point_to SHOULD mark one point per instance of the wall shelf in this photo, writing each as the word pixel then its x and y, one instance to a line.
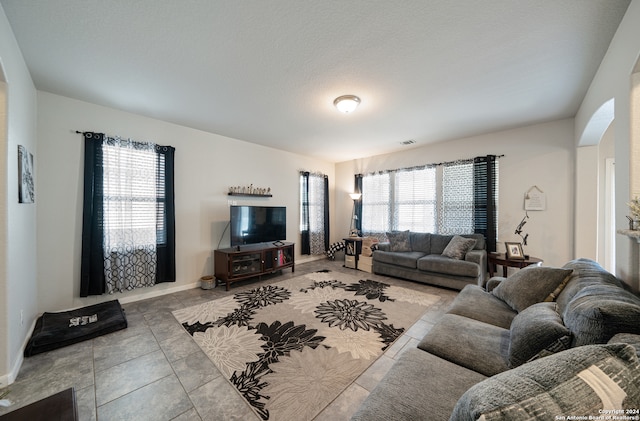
pixel 249 194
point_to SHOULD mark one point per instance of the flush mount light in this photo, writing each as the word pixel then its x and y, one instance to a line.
pixel 346 103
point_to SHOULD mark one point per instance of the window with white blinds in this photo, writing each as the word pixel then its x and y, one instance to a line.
pixel 435 198
pixel 415 200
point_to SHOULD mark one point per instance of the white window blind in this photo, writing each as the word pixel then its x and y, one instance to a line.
pixel 415 200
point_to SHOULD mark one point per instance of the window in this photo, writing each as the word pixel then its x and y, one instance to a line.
pixel 451 198
pixel 314 213
pixel 128 238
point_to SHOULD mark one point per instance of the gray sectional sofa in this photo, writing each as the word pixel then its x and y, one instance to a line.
pixel 425 257
pixel 545 343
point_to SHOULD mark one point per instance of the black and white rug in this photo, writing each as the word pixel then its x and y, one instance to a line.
pixel 292 347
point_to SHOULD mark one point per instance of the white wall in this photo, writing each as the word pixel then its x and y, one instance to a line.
pixel 206 165
pixel 18 287
pixel 613 81
pixel 540 155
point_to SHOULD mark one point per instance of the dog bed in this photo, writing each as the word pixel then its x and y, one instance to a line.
pixel 56 330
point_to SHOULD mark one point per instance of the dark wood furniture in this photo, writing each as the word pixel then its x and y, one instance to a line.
pixel 59 407
pixel 248 261
pixel 501 259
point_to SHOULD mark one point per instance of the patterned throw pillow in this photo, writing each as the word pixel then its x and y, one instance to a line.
pixel 458 247
pixel 537 332
pixel 399 241
pixel 580 382
pixel 530 285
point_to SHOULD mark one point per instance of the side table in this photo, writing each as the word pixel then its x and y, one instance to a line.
pixel 501 259
pixel 352 250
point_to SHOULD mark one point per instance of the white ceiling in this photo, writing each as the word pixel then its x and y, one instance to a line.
pixel 267 72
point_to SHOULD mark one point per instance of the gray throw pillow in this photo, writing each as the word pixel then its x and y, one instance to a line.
pixel 530 285
pixel 399 241
pixel 537 332
pixel 598 312
pixel 458 247
pixel 579 382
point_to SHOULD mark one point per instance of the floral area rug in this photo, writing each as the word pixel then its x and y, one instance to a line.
pixel 292 347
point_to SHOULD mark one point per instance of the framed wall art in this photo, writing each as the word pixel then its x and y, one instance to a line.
pixel 26 185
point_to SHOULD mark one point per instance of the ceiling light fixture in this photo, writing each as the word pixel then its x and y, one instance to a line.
pixel 346 103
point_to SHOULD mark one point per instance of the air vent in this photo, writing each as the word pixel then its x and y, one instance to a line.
pixel 408 142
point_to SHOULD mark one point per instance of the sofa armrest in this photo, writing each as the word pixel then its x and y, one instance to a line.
pixel 479 257
pixel 493 282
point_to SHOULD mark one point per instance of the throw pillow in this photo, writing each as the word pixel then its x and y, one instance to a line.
pixel 530 285
pixel 579 382
pixel 598 312
pixel 399 241
pixel 458 247
pixel 537 332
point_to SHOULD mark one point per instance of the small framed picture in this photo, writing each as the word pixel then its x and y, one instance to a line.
pixel 514 250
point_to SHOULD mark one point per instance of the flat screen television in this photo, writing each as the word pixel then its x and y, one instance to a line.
pixel 257 224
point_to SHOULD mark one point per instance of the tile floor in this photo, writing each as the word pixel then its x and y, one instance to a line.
pixel 153 370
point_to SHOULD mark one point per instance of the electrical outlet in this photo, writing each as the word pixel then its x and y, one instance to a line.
pixel 21 317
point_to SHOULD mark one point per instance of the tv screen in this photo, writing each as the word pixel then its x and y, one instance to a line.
pixel 257 224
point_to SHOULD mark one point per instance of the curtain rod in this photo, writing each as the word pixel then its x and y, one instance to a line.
pixel 431 165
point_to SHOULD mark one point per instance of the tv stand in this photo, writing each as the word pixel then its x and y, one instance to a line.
pixel 251 260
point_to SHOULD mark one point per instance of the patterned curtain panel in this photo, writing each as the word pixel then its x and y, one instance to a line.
pixel 128 238
pixel 314 213
pixel 129 197
pixel 455 210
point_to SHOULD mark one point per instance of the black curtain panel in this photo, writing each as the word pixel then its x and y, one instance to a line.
pixel 485 209
pixel 92 280
pixel 326 214
pixel 166 215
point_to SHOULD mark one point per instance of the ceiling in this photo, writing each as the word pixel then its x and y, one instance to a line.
pixel 267 72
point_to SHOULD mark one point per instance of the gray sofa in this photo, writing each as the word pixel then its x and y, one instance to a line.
pixel 503 353
pixel 421 259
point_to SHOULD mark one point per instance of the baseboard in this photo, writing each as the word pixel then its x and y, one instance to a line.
pixel 8 378
pixel 157 293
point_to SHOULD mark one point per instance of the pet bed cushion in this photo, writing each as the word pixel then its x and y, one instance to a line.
pixel 56 330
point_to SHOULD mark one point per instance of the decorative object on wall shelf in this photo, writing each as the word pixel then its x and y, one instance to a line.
pixel 250 190
pixel 535 199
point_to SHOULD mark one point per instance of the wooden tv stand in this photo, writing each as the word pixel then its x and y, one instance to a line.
pixel 251 260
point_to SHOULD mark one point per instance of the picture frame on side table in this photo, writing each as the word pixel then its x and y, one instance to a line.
pixel 514 251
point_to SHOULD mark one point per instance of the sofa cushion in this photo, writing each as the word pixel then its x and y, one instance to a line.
pixel 458 247
pixel 419 386
pixel 472 344
pixel 448 266
pixel 530 285
pixel 420 241
pixel 600 311
pixel 537 332
pixel 399 241
pixel 404 259
pixel 580 382
pixel 475 303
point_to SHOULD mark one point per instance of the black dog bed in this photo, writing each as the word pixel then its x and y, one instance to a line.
pixel 55 330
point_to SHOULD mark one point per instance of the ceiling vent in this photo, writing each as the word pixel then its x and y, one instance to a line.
pixel 408 142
